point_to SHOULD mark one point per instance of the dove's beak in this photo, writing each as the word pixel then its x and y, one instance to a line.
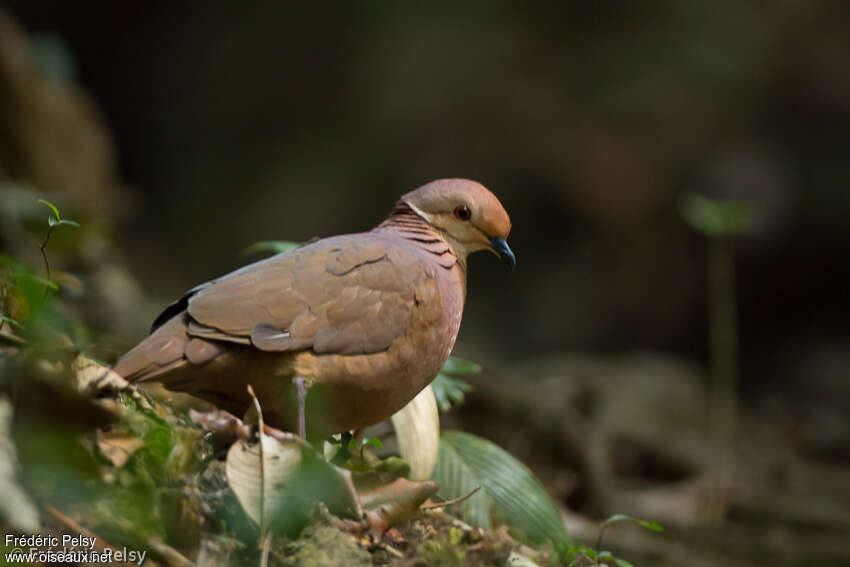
pixel 504 251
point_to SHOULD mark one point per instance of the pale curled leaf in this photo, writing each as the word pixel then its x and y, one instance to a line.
pixel 283 457
pixel 417 427
pixel 510 488
pixel 245 476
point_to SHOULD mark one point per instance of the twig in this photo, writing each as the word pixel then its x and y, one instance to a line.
pixel 390 549
pixel 450 502
pixel 159 548
pixel 262 466
pixel 44 256
pixel 72 525
pixel 264 557
pixel 171 556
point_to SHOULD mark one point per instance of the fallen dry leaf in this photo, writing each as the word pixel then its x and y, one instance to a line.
pixel 117 447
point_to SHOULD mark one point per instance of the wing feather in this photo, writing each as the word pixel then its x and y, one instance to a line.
pixel 348 295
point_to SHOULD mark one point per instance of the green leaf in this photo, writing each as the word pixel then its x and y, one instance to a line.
pixel 7 319
pixel 510 489
pixel 621 562
pixel 68 222
pixel 459 366
pixel 52 208
pixel 716 217
pixel 355 445
pixel 272 246
pixel 582 550
pixel 38 279
pixel 449 391
pixel 654 526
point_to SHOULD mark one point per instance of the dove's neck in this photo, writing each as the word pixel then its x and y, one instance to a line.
pixel 405 222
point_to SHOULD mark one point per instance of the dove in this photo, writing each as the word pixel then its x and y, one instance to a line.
pixel 336 334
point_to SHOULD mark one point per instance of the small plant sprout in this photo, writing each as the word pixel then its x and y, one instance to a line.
pixel 53 222
pixel 355 444
pixel 594 555
pixel 721 221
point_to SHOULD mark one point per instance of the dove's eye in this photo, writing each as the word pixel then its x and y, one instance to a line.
pixel 463 213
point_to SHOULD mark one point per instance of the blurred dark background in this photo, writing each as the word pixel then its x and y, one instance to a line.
pixel 230 124
pixel 285 121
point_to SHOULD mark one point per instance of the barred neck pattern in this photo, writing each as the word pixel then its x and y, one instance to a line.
pixel 404 221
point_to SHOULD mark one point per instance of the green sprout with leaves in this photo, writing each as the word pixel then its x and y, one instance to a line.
pixel 355 444
pixel 53 222
pixel 582 554
pixel 19 281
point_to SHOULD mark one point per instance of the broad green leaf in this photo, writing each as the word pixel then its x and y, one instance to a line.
pixel 457 477
pixel 272 246
pixel 52 208
pixel 716 217
pixel 510 489
pixel 621 562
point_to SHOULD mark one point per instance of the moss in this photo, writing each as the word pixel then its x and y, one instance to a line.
pixel 324 546
pixel 451 547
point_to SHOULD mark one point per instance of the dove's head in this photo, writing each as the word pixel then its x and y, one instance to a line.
pixel 468 215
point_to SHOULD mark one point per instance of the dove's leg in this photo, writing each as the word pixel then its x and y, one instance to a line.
pixel 301 393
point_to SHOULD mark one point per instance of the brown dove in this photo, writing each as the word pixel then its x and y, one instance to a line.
pixel 361 321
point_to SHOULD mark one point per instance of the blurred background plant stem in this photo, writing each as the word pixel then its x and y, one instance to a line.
pixel 723 396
